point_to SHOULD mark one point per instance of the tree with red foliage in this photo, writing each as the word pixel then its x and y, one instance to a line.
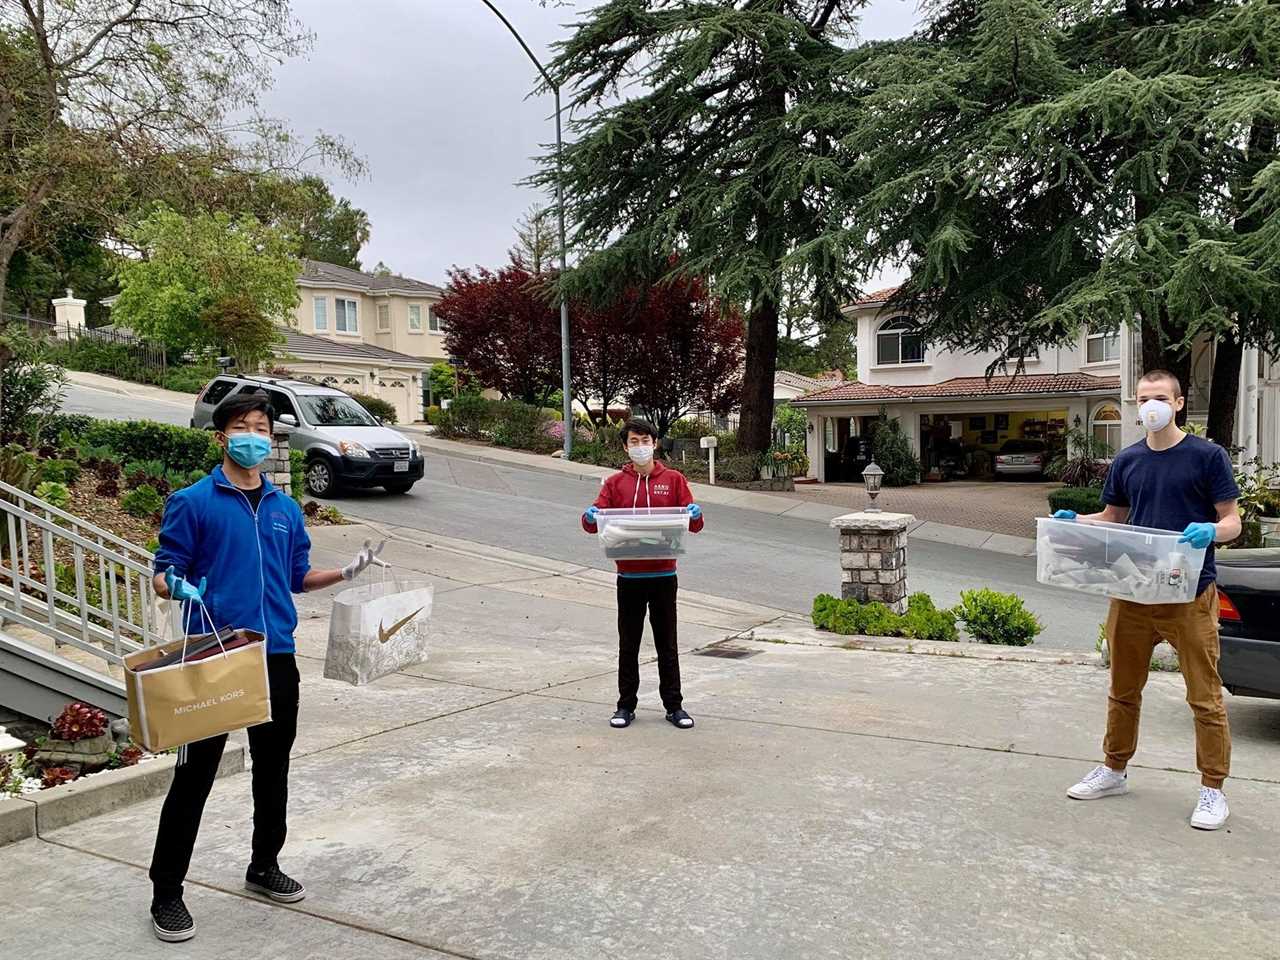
pixel 505 329
pixel 687 353
pixel 604 355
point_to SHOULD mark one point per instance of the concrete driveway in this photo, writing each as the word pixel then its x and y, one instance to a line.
pixel 830 804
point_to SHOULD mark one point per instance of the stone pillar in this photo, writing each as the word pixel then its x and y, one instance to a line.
pixel 873 557
pixel 68 313
pixel 276 467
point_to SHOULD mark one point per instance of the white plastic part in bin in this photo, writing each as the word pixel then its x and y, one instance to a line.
pixel 1116 560
pixel 643 533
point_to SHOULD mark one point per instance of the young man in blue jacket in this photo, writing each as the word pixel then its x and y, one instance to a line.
pixel 235 546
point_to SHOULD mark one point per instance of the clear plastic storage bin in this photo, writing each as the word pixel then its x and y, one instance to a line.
pixel 643 533
pixel 1117 560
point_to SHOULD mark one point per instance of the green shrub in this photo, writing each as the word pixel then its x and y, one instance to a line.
pixel 382 409
pixel 54 493
pixel 60 471
pixel 297 474
pixel 1079 499
pixel 737 468
pixel 188 379
pixel 143 502
pixel 471 417
pixel 30 385
pixel 824 610
pixel 599 453
pixel 924 621
pixel 521 426
pixel 73 425
pixel 179 448
pixel 690 428
pixel 891 451
pixel 153 545
pixel 18 467
pixel 433 415
pixel 993 617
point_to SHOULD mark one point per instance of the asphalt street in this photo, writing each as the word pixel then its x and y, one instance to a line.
pixel 743 554
pixel 113 406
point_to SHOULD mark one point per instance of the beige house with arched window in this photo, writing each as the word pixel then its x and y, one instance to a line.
pixel 942 398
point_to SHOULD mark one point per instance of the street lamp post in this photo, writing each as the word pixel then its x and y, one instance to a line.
pixel 564 303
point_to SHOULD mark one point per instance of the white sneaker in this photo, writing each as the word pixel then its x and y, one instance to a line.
pixel 1211 811
pixel 1100 782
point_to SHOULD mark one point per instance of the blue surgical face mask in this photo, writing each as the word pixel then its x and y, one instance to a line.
pixel 248 449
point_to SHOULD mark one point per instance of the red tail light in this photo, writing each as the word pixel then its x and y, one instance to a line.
pixel 1226 609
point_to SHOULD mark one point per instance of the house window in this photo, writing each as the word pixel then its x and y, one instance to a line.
pixel 1028 351
pixel 1102 347
pixel 351 382
pixel 397 384
pixel 346 316
pixel 384 317
pixel 319 307
pixel 433 322
pixel 329 381
pixel 1105 425
pixel 415 318
pixel 900 341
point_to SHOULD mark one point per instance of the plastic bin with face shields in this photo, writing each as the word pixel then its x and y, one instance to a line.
pixel 643 533
pixel 1140 564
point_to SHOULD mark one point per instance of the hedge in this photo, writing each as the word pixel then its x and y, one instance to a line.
pixel 382 409
pixel 180 448
pixel 1079 499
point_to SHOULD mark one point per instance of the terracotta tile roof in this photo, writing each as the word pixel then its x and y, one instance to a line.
pixel 877 296
pixel 961 388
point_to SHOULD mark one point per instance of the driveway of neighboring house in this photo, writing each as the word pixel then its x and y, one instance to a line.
pixel 1009 507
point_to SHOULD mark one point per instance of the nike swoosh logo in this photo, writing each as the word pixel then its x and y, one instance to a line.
pixel 384 634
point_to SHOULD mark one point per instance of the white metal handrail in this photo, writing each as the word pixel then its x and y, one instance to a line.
pixel 34 535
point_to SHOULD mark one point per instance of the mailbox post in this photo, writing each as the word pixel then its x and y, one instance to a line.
pixel 709 445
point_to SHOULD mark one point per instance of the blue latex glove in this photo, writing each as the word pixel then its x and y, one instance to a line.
pixel 591 514
pixel 179 589
pixel 1199 535
pixel 695 512
pixel 1064 515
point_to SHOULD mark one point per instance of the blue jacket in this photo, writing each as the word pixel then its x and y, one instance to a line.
pixel 253 562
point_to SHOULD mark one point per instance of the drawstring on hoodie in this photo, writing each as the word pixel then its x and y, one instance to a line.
pixel 648 494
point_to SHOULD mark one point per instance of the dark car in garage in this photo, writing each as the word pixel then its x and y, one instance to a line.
pixel 1249 621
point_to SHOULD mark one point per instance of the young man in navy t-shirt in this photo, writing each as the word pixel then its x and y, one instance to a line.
pixel 1170 480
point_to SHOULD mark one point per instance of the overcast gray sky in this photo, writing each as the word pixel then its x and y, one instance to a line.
pixel 432 93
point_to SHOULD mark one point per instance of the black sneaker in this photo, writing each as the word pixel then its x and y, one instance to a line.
pixel 622 718
pixel 680 719
pixel 171 921
pixel 275 884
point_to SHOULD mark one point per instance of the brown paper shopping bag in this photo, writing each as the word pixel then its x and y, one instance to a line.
pixel 187 701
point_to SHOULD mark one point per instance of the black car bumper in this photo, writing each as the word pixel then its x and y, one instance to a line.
pixel 1250 668
pixel 375 472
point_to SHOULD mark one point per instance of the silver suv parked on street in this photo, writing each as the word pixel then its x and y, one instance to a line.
pixel 344 445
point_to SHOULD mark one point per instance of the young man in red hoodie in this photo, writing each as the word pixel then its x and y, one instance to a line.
pixel 646 584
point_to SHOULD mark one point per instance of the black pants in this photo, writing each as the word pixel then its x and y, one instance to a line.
pixel 269 745
pixel 658 596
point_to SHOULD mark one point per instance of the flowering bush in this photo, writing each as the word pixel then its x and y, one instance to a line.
pixel 79 721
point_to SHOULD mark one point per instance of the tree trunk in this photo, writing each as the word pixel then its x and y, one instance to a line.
pixel 755 428
pixel 1224 391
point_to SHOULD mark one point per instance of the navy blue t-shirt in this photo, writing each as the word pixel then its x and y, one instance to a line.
pixel 1168 489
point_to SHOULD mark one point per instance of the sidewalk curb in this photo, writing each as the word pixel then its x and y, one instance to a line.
pixel 929 530
pixel 798 633
pixel 49 810
pixel 142 391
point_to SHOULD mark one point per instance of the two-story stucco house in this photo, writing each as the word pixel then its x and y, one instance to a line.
pixel 942 396
pixel 388 321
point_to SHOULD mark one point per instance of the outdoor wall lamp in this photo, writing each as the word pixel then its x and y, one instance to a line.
pixel 1076 421
pixel 872 476
pixel 809 427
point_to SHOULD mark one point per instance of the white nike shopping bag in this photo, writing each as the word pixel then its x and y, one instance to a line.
pixel 378 628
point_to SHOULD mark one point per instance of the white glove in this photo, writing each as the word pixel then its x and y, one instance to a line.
pixel 368 555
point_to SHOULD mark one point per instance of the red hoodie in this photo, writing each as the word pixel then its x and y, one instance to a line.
pixel 663 487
